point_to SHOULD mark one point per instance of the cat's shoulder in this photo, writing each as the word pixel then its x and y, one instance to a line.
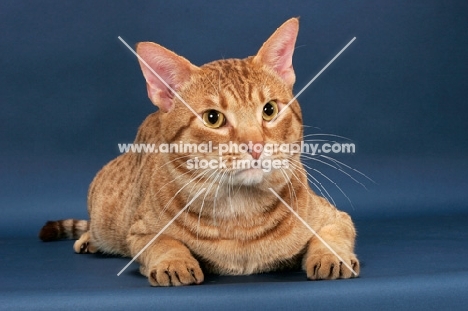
pixel 149 129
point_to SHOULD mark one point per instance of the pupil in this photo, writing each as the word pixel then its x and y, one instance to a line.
pixel 268 109
pixel 213 117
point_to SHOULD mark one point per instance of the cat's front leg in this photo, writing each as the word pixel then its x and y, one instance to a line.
pixel 320 263
pixel 166 262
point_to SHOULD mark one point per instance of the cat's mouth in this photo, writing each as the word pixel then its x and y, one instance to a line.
pixel 248 176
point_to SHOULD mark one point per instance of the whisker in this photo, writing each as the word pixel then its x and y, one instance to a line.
pixel 334 167
pixel 308 176
pixel 203 202
pixel 290 187
pixel 309 191
pixel 221 181
pixel 230 186
pixel 163 210
pixel 203 174
pixel 349 167
pixel 218 175
pixel 334 183
pixel 174 179
pixel 327 134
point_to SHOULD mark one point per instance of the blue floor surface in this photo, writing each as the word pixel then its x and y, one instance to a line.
pixel 406 264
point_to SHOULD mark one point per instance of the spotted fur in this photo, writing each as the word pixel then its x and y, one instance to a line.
pixel 237 225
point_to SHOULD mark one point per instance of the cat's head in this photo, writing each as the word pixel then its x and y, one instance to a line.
pixel 233 102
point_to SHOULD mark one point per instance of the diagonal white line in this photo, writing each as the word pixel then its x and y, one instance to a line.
pixel 313 231
pixel 162 230
pixel 159 77
pixel 314 78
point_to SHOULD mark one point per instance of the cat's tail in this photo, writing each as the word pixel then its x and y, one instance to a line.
pixel 63 229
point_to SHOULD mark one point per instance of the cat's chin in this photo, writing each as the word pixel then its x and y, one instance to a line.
pixel 248 177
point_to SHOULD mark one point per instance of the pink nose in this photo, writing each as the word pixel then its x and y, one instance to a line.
pixel 255 149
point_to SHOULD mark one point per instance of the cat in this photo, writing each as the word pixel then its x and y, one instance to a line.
pixel 236 225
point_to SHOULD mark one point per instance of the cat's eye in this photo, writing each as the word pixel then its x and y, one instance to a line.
pixel 214 119
pixel 270 110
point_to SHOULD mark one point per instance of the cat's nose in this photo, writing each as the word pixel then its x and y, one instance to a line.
pixel 255 149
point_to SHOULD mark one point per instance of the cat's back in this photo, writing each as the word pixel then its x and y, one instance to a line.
pixel 125 163
pixel 112 181
pixel 114 193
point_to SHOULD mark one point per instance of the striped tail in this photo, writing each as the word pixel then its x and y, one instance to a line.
pixel 63 229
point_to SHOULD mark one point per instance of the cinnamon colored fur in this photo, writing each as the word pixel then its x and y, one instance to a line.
pixel 237 225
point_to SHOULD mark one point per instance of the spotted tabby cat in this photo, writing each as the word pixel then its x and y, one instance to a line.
pixel 236 225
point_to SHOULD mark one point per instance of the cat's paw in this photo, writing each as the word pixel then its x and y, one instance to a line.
pixel 83 245
pixel 176 272
pixel 329 267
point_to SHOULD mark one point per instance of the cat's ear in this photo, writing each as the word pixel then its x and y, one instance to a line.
pixel 278 50
pixel 173 69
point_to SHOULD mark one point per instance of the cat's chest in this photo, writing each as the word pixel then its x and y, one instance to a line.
pixel 236 206
pixel 239 256
pixel 249 245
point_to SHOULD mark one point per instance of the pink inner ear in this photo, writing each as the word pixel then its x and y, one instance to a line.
pixel 278 50
pixel 161 98
pixel 283 62
pixel 174 70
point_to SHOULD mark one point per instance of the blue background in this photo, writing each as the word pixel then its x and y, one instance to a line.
pixel 70 91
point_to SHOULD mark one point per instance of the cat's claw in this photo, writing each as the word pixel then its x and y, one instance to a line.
pixel 329 267
pixel 176 273
pixel 84 248
pixel 83 245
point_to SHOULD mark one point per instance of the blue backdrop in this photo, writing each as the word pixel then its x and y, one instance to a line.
pixel 70 91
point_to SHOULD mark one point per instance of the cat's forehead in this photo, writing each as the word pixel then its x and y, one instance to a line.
pixel 237 86
pixel 232 84
pixel 241 78
pixel 229 69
